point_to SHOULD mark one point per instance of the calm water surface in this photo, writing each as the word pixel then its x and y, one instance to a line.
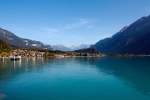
pixel 75 79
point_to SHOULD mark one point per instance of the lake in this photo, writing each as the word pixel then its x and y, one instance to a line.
pixel 107 78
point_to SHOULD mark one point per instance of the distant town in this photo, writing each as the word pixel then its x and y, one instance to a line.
pixel 6 51
pixel 23 53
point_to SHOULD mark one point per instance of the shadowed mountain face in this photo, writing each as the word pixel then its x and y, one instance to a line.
pixel 17 42
pixel 134 39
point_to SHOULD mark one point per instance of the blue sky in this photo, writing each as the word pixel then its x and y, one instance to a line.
pixel 69 22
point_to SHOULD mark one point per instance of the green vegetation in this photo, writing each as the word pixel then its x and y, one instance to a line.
pixel 4 46
pixel 4 49
pixel 51 53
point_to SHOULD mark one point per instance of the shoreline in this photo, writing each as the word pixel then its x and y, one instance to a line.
pixel 122 56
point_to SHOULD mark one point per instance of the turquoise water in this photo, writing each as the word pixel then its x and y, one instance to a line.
pixel 76 79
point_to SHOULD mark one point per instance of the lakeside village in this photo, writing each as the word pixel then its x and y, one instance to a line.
pixel 17 54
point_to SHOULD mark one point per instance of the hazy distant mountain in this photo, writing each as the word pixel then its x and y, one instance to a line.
pixel 72 48
pixel 82 46
pixel 133 39
pixel 61 48
pixel 18 42
pixel 87 50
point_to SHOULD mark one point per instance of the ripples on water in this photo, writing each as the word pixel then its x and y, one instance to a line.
pixel 76 79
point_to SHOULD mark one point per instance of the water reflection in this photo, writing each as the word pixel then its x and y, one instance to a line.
pixel 134 72
pixel 10 69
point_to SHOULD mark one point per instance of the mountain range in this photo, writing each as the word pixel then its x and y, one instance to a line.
pixel 18 42
pixel 72 48
pixel 61 48
pixel 132 39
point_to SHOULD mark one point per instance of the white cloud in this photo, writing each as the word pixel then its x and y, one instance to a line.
pixel 81 23
pixel 50 30
pixel 147 9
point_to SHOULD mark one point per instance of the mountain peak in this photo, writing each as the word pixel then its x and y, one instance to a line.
pixel 133 39
pixel 18 42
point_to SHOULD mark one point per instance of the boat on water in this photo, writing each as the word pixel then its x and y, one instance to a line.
pixel 15 58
